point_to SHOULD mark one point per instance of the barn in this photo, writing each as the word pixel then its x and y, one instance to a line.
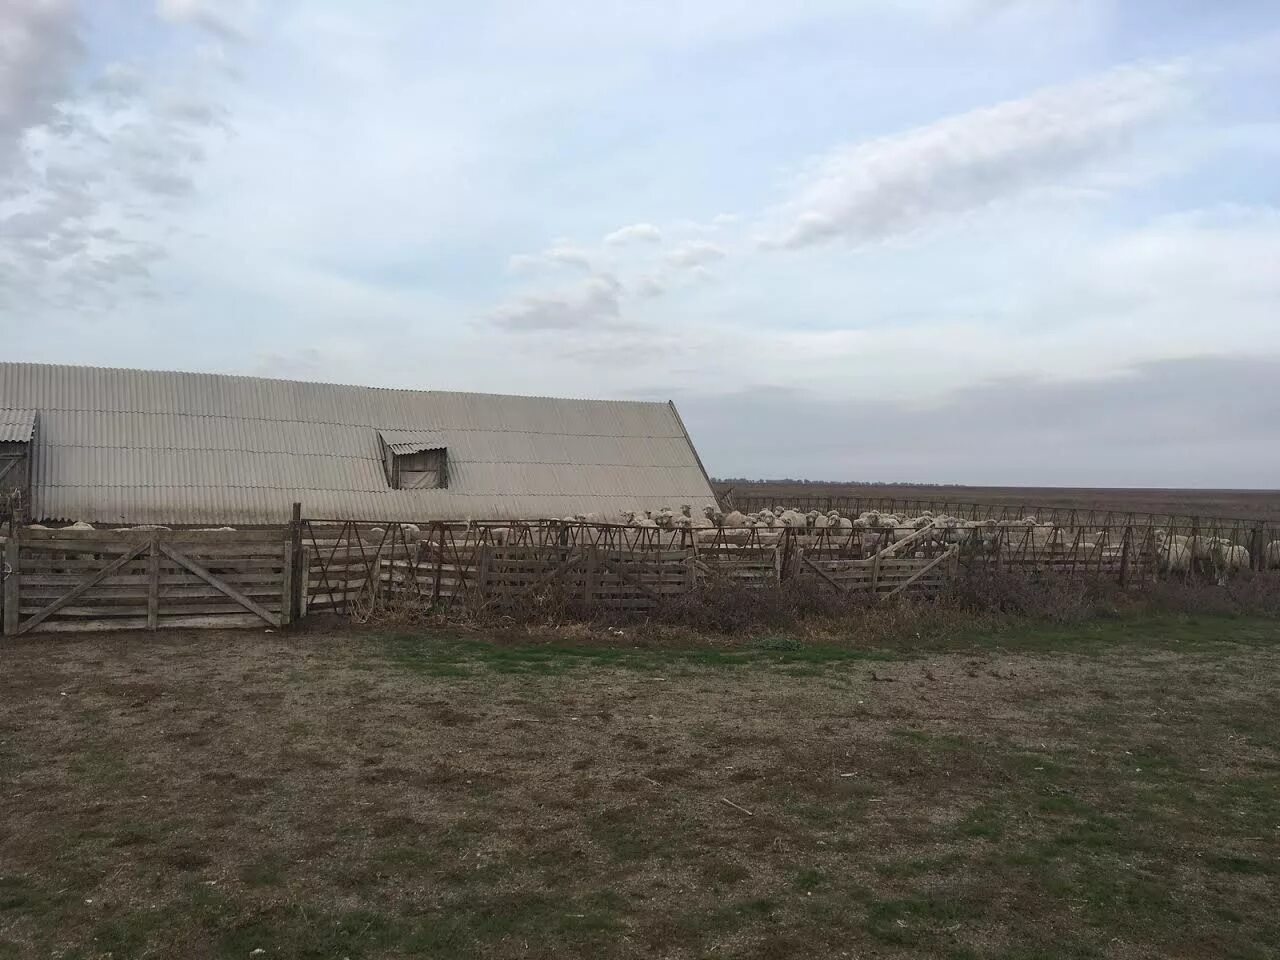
pixel 115 446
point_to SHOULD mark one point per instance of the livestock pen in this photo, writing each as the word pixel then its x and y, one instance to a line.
pixel 69 579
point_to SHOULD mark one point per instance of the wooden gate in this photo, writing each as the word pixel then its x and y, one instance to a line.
pixel 60 580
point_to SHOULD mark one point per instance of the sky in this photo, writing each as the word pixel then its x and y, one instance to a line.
pixel 955 241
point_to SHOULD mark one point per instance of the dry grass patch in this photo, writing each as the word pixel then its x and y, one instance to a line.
pixel 1105 790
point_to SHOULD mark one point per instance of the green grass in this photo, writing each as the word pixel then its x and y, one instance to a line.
pixel 434 653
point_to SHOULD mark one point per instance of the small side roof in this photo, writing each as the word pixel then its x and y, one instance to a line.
pixel 402 442
pixel 16 426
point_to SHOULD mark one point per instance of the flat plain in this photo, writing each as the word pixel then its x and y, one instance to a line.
pixel 1108 790
pixel 1244 504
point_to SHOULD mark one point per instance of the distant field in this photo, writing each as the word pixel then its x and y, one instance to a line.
pixel 1259 504
pixel 1107 791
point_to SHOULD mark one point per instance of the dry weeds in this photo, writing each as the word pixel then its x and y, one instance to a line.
pixel 1110 790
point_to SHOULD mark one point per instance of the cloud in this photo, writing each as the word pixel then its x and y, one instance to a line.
pixel 560 255
pixel 216 18
pixel 1173 423
pixel 88 168
pixel 39 48
pixel 649 287
pixel 695 255
pixel 881 188
pixel 635 233
pixel 597 302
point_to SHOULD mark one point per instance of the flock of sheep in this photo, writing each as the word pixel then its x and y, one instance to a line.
pixel 1181 554
pixel 1174 553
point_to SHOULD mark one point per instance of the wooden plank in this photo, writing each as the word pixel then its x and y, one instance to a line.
pixel 216 582
pixel 805 561
pixel 153 585
pixel 218 622
pixel 289 601
pixel 139 610
pixel 618 571
pixel 12 571
pixel 922 572
pixel 173 537
pixel 572 560
pixel 141 578
pixel 80 588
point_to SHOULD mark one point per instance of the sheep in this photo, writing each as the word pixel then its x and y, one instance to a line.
pixel 1273 555
pixel 819 521
pixel 1201 548
pixel 80 525
pixel 713 515
pixel 1229 557
pixel 792 519
pixel 1174 558
pixel 734 519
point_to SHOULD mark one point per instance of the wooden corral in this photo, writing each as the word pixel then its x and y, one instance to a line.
pixel 73 579
pixel 503 566
pixel 64 580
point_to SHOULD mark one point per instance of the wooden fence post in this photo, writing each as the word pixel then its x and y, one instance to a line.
pixel 1125 551
pixel 1258 548
pixel 153 582
pixel 291 602
pixel 11 598
pixel 287 592
pixel 590 576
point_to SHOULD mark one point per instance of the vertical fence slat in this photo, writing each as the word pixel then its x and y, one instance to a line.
pixel 153 583
pixel 11 597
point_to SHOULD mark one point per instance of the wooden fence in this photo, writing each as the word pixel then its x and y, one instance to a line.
pixel 147 579
pixel 500 566
pixel 64 580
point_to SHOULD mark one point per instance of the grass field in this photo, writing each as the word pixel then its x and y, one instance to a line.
pixel 1247 504
pixel 1110 790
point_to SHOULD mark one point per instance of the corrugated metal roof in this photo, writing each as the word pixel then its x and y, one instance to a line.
pixel 401 442
pixel 137 446
pixel 16 426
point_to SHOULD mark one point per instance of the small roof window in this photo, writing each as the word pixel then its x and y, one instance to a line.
pixel 414 460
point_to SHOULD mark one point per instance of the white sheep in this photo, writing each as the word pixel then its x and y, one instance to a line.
pixel 791 518
pixel 1230 557
pixel 1174 558
pixel 1273 555
pixel 734 519
pixel 80 525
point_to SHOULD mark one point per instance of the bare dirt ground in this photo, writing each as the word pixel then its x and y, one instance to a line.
pixel 1110 791
pixel 1244 504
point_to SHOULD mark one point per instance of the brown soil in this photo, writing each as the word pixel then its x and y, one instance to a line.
pixel 258 795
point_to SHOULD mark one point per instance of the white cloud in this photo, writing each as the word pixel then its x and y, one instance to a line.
pixel 597 302
pixel 649 287
pixel 695 255
pixel 91 166
pixel 39 47
pixel 222 19
pixel 881 188
pixel 560 255
pixel 635 233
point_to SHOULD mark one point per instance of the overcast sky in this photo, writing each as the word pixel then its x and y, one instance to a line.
pixel 980 241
